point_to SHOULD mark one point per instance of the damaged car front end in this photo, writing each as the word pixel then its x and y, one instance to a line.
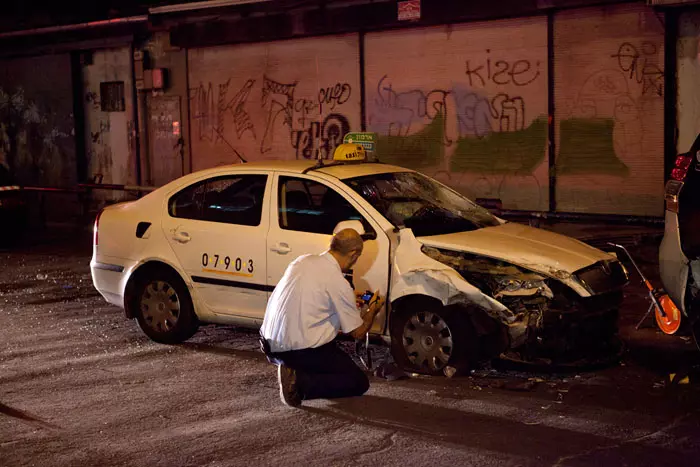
pixel 467 286
pixel 561 325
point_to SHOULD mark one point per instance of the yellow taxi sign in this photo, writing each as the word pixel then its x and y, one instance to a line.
pixel 349 152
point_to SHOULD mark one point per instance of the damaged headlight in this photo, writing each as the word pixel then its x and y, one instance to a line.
pixel 494 277
pixel 509 286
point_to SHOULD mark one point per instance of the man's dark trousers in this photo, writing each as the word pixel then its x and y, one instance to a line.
pixel 325 372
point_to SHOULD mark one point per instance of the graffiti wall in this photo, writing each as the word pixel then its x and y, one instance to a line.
pixel 466 104
pixel 688 103
pixel 282 100
pixel 109 118
pixel 36 121
pixel 609 82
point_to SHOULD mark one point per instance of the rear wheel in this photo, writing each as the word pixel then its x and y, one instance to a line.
pixel 427 337
pixel 164 308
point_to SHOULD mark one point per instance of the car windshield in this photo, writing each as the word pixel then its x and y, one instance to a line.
pixel 412 200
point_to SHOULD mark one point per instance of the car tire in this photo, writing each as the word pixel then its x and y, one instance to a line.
pixel 163 307
pixel 429 338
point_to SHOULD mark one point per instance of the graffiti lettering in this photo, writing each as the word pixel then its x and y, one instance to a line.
pixel 241 118
pixel 510 112
pixel 640 68
pixel 211 116
pixel 320 139
pixel 334 95
pixel 397 111
pixel 304 108
pixel 502 72
pixel 476 113
pixel 281 105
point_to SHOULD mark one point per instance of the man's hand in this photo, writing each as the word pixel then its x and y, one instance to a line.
pixel 375 305
pixel 358 299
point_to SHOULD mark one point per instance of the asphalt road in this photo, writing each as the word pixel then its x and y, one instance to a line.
pixel 80 385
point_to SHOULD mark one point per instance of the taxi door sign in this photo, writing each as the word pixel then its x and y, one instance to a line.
pixel 349 152
pixel 366 140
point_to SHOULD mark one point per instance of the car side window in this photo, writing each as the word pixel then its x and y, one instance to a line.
pixel 233 199
pixel 187 204
pixel 308 206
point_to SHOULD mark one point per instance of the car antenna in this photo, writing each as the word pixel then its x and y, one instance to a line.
pixel 239 155
pixel 319 155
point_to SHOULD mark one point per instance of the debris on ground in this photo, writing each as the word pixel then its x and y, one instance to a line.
pixel 390 372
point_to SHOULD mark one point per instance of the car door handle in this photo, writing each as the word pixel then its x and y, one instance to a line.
pixel 182 237
pixel 281 248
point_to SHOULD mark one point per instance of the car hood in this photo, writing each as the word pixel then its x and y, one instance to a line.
pixel 535 249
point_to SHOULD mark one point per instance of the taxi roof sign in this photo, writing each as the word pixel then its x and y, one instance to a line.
pixel 349 152
pixel 364 139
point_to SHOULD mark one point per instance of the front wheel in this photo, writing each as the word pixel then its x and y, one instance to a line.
pixel 164 308
pixel 427 337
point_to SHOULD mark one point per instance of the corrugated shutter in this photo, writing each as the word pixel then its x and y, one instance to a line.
pixel 609 79
pixel 466 104
pixel 688 104
pixel 276 100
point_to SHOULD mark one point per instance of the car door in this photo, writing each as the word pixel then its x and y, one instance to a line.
pixel 217 229
pixel 304 212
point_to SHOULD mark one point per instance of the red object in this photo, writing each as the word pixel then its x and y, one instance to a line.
pixel 97 224
pixel 681 167
pixel 157 78
pixel 671 321
pixel 409 10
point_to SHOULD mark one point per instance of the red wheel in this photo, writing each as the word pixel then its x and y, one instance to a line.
pixel 670 323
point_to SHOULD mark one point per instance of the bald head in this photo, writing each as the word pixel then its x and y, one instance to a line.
pixel 346 241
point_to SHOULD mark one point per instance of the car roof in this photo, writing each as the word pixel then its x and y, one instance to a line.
pixel 341 171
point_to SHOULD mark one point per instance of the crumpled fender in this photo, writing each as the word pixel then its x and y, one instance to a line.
pixel 416 273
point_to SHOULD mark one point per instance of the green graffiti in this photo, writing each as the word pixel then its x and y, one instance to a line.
pixel 425 148
pixel 586 147
pixel 509 152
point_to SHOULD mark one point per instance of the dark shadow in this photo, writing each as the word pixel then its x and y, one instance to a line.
pixel 15 413
pixel 488 433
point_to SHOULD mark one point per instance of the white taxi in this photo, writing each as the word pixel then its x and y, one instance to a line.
pixel 462 284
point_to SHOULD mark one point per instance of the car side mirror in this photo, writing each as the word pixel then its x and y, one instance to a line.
pixel 353 224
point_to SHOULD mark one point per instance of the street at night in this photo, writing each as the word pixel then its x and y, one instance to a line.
pixel 81 385
pixel 349 233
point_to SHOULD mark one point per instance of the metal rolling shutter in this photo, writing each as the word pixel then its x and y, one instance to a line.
pixel 688 103
pixel 466 104
pixel 608 77
pixel 275 100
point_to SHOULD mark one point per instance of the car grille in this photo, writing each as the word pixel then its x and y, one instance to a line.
pixel 603 277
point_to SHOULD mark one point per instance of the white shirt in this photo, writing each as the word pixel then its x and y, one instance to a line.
pixel 309 305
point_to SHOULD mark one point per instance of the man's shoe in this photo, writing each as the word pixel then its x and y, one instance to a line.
pixel 289 393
